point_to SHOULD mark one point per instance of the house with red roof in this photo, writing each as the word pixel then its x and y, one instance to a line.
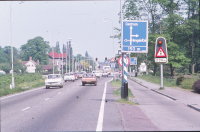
pixel 57 59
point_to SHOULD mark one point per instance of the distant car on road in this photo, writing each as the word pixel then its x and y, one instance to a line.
pixel 105 73
pixel 69 77
pixel 54 80
pixel 76 75
pixel 89 78
pixel 80 74
pixel 97 73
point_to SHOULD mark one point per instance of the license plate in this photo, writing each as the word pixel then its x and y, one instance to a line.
pixel 88 81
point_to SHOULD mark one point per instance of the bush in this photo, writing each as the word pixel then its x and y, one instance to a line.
pixel 188 82
pixel 196 86
pixel 179 80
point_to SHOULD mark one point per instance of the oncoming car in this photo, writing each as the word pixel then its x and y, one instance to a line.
pixel 54 80
pixel 89 78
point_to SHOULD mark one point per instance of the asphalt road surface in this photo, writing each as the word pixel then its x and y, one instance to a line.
pixel 71 108
pixel 92 108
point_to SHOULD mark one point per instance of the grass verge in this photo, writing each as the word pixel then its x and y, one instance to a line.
pixel 117 92
pixel 156 79
pixel 23 82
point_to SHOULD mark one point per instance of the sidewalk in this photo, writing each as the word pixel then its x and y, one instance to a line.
pixel 188 98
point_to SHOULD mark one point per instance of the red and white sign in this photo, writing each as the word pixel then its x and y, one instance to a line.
pixel 112 60
pixel 127 61
pixel 160 53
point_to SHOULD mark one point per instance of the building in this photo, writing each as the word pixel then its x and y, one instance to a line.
pixel 31 65
pixel 57 59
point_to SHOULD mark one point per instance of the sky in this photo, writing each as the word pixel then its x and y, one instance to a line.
pixel 59 20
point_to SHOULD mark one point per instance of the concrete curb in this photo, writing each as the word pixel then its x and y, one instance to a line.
pixel 193 107
pixel 164 94
pixel 139 83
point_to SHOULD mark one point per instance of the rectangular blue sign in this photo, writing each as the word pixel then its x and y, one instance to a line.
pixel 135 36
pixel 133 61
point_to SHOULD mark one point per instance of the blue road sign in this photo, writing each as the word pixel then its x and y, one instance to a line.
pixel 135 36
pixel 133 61
pixel 112 64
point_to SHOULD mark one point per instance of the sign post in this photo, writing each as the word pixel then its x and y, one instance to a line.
pixel 161 55
pixel 134 39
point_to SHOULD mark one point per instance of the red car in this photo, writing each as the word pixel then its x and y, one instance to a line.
pixel 76 75
pixel 89 78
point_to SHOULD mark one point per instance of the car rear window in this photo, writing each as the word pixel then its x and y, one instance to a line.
pixel 53 76
pixel 67 74
pixel 88 75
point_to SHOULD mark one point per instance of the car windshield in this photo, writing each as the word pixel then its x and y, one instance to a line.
pixel 71 74
pixel 88 75
pixel 53 76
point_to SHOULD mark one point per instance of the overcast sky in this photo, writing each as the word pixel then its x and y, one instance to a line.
pixel 79 20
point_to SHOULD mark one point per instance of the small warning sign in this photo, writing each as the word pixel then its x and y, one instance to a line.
pixel 112 60
pixel 160 53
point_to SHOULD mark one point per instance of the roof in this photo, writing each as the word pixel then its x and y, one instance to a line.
pixel 24 62
pixel 57 55
pixel 47 67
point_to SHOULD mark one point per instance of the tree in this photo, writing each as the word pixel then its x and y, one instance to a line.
pixel 64 48
pixel 37 48
pixel 86 54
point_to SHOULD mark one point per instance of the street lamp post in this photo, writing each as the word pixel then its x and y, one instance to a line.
pixel 13 80
pixel 113 44
pixel 53 48
pixel 69 40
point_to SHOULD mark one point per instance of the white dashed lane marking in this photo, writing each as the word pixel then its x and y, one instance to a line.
pixel 25 109
pixel 59 93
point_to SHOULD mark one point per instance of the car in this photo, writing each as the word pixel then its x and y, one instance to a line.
pixel 54 80
pixel 89 78
pixel 105 73
pixel 81 74
pixel 76 75
pixel 97 73
pixel 69 77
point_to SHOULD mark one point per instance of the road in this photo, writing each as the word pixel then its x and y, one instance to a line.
pixel 72 108
pixel 79 108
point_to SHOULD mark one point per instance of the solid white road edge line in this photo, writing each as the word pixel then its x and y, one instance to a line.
pixel 25 109
pixel 20 93
pixel 101 112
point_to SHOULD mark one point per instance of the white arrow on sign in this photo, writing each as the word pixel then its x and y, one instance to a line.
pixel 135 35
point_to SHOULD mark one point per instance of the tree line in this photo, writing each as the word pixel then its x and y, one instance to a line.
pixel 38 49
pixel 178 22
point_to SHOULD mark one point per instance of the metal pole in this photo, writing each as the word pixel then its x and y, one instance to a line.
pixel 13 80
pixel 130 65
pixel 62 63
pixel 69 55
pixel 66 55
pixel 161 75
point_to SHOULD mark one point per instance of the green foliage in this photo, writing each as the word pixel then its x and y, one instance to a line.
pixel 38 49
pixel 187 83
pixel 116 83
pixel 179 80
pixel 196 86
pixel 21 81
pixel 156 79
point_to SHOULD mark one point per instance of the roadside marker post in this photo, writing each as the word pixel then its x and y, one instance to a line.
pixel 161 55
